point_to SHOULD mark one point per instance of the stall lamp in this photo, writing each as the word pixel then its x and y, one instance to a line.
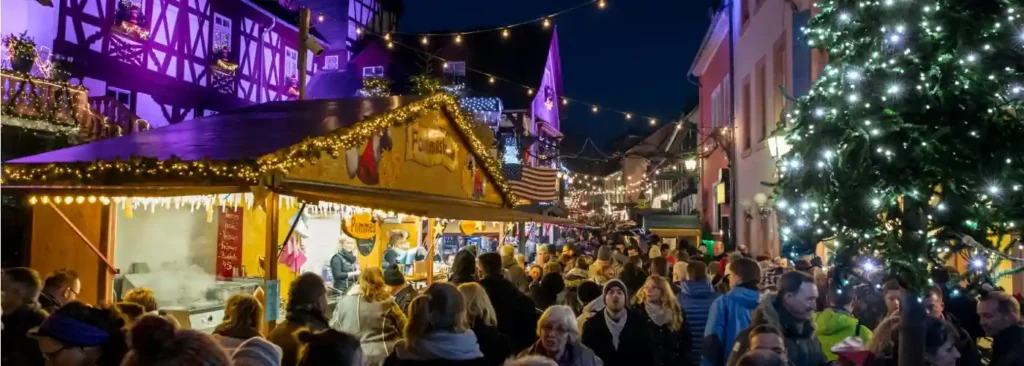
pixel 691 164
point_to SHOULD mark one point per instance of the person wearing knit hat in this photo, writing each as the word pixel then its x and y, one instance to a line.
pixel 604 253
pixel 618 335
pixel 403 292
pixel 156 342
pixel 257 352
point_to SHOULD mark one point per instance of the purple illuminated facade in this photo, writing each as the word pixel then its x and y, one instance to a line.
pixel 171 60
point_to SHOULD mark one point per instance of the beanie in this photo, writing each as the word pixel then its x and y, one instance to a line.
pixel 552 283
pixel 257 352
pixel 614 283
pixel 393 276
pixel 604 253
pixel 588 291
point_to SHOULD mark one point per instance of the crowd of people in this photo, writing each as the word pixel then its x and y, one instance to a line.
pixel 583 304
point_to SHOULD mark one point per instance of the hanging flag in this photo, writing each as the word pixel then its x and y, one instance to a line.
pixel 545 103
pixel 537 184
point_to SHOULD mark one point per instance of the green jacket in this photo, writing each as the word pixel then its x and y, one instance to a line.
pixel 834 326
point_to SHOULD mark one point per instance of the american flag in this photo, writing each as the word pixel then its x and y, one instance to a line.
pixel 536 184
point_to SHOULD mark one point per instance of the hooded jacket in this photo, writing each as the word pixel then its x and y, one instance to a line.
pixel 695 298
pixel 802 345
pixel 516 274
pixel 834 326
pixel 463 268
pixel 728 315
pixel 438 348
pixel 377 324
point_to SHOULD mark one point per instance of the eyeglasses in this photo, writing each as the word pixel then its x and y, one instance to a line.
pixel 558 331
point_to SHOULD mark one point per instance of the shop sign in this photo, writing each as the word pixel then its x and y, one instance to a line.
pixel 468 227
pixel 229 243
pixel 430 144
pixel 360 226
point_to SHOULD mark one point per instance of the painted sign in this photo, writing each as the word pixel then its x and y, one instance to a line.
pixel 229 243
pixel 468 227
pixel 360 226
pixel 430 144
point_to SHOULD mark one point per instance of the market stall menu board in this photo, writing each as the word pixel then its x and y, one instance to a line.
pixel 229 244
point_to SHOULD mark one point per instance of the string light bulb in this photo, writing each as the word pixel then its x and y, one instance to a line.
pixel 320 18
pixel 387 36
pixel 601 4
pixel 653 121
pixel 629 116
pixel 593 109
pixel 547 23
pixel 504 33
pixel 445 65
pixel 529 91
pixel 565 101
pixel 458 39
pixel 359 30
pixel 491 80
pixel 391 45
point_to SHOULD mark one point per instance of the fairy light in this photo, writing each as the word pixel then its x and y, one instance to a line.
pixel 601 4
pixel 387 36
pixel 629 116
pixel 491 80
pixel 653 121
pixel 593 109
pixel 547 23
pixel 320 18
pixel 505 33
pixel 458 39
pixel 359 30
pixel 424 41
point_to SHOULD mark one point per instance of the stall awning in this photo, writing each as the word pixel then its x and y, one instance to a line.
pixel 407 154
pixel 672 225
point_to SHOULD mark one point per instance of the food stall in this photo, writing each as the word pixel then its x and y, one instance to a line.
pixel 210 207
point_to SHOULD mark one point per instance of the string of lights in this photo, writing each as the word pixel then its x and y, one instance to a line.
pixel 545 21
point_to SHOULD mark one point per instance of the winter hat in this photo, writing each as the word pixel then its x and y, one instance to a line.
pixel 552 283
pixel 257 352
pixel 621 258
pixel 588 291
pixel 156 342
pixel 507 250
pixel 393 276
pixel 614 283
pixel 604 253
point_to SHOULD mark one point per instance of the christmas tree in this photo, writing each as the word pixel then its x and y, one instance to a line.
pixel 909 149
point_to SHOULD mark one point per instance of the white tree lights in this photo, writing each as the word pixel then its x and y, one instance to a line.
pixel 911 136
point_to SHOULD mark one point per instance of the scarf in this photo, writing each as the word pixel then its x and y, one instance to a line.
pixel 615 325
pixel 657 313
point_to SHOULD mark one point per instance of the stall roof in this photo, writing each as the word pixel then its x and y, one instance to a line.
pixel 266 145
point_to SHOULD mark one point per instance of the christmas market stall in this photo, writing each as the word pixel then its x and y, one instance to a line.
pixel 184 209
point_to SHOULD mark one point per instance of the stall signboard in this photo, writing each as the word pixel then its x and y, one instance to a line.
pixel 229 243
pixel 468 227
pixel 363 229
pixel 431 143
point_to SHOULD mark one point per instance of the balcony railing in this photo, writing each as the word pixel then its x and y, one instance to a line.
pixel 42 104
pixel 117 114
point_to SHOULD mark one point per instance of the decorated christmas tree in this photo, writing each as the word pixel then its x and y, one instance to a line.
pixel 909 149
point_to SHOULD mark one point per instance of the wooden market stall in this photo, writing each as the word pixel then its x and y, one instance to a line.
pixel 206 189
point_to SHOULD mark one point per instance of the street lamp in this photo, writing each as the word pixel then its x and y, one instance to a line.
pixel 691 164
pixel 777 144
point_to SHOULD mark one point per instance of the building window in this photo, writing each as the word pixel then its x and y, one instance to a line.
pixel 744 14
pixel 221 33
pixel 291 63
pixel 373 72
pixel 779 77
pixel 123 96
pixel 762 89
pixel 747 131
pixel 331 62
pixel 455 68
pixel 720 105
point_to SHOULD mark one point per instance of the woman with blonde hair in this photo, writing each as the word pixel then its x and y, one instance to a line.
pixel 372 315
pixel 664 321
pixel 243 317
pixel 484 323
pixel 438 332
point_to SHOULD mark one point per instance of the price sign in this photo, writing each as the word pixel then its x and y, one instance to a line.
pixel 229 243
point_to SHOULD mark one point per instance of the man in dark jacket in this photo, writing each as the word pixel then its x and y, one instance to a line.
pixel 344 265
pixel 516 274
pixel 1000 317
pixel 307 309
pixel 21 313
pixel 618 335
pixel 60 287
pixel 401 290
pixel 695 298
pixel 790 310
pixel 934 306
pixel 517 317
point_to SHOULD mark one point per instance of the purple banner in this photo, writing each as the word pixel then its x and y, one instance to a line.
pixel 545 103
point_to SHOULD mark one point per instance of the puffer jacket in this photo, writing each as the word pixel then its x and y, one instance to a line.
pixel 695 298
pixel 728 316
pixel 516 274
pixel 802 345
pixel 833 326
pixel 377 324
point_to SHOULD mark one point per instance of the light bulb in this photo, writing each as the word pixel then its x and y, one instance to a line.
pixel 458 38
pixel 320 17
pixel 629 116
pixel 653 121
pixel 387 37
pixel 601 4
pixel 844 17
pixel 445 65
pixel 391 45
pixel 529 91
pixel 593 109
pixel 491 80
pixel 424 40
pixel 565 101
pixel 359 30
pixel 547 23
pixel 504 33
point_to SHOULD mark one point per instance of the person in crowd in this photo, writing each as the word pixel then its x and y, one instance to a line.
pixel 516 273
pixel 771 272
pixel 495 346
pixel 695 298
pixel 730 313
pixel 306 309
pixel 552 267
pixel 521 259
pixel 762 358
pixel 155 341
pixel 679 272
pixel 21 312
pixel 514 310
pixel 659 267
pixel 548 291
pixel 604 259
pixel 769 338
pixel 143 296
pixel 790 310
pixel 870 307
pixel 804 265
pixel 544 254
pixel 243 317
pixel 558 340
pixel 589 294
pixel 566 261
pixel 1000 317
pixel 934 307
pixel 573 279
pixel 373 316
pixel 617 334
pixel 670 341
pixel 655 252
pixel 438 332
pixel 131 312
pixel 344 264
pixel 633 277
pixel 463 268
pixel 963 308
pixel 402 291
pixel 837 323
pixel 822 282
pixel 77 334
pixel 257 352
pixel 59 288
pixel 331 347
pixel 893 293
pixel 531 360
pixel 535 273
pixel 939 342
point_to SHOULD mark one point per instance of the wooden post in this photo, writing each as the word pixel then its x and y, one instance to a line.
pixel 430 250
pixel 105 285
pixel 303 37
pixel 272 251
